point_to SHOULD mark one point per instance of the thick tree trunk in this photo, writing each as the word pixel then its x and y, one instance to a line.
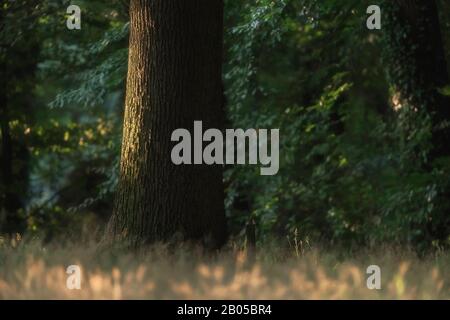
pixel 174 78
pixel 416 64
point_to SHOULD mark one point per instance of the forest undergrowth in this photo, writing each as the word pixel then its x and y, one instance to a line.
pixel 31 269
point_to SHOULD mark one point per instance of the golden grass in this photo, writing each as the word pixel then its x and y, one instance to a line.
pixel 35 271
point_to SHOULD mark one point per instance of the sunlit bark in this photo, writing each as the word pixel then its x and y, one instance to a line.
pixel 174 78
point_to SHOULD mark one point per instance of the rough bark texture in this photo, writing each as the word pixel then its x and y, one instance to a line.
pixel 416 63
pixel 174 78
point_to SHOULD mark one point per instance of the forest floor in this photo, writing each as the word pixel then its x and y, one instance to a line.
pixel 30 270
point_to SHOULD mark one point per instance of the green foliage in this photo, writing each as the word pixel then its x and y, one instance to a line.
pixel 350 171
pixel 73 128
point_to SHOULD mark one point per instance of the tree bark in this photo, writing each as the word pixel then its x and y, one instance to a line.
pixel 174 78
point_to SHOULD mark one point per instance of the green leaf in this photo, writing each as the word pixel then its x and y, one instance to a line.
pixel 445 90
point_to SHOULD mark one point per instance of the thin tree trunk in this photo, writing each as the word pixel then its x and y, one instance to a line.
pixel 174 78
pixel 18 60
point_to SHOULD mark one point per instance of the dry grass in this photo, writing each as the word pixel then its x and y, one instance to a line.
pixel 31 270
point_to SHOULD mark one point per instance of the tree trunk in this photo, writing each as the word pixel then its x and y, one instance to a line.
pixel 174 78
pixel 18 61
pixel 415 58
pixel 417 68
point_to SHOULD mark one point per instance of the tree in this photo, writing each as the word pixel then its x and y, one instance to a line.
pixel 174 78
pixel 416 64
pixel 19 58
pixel 417 71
